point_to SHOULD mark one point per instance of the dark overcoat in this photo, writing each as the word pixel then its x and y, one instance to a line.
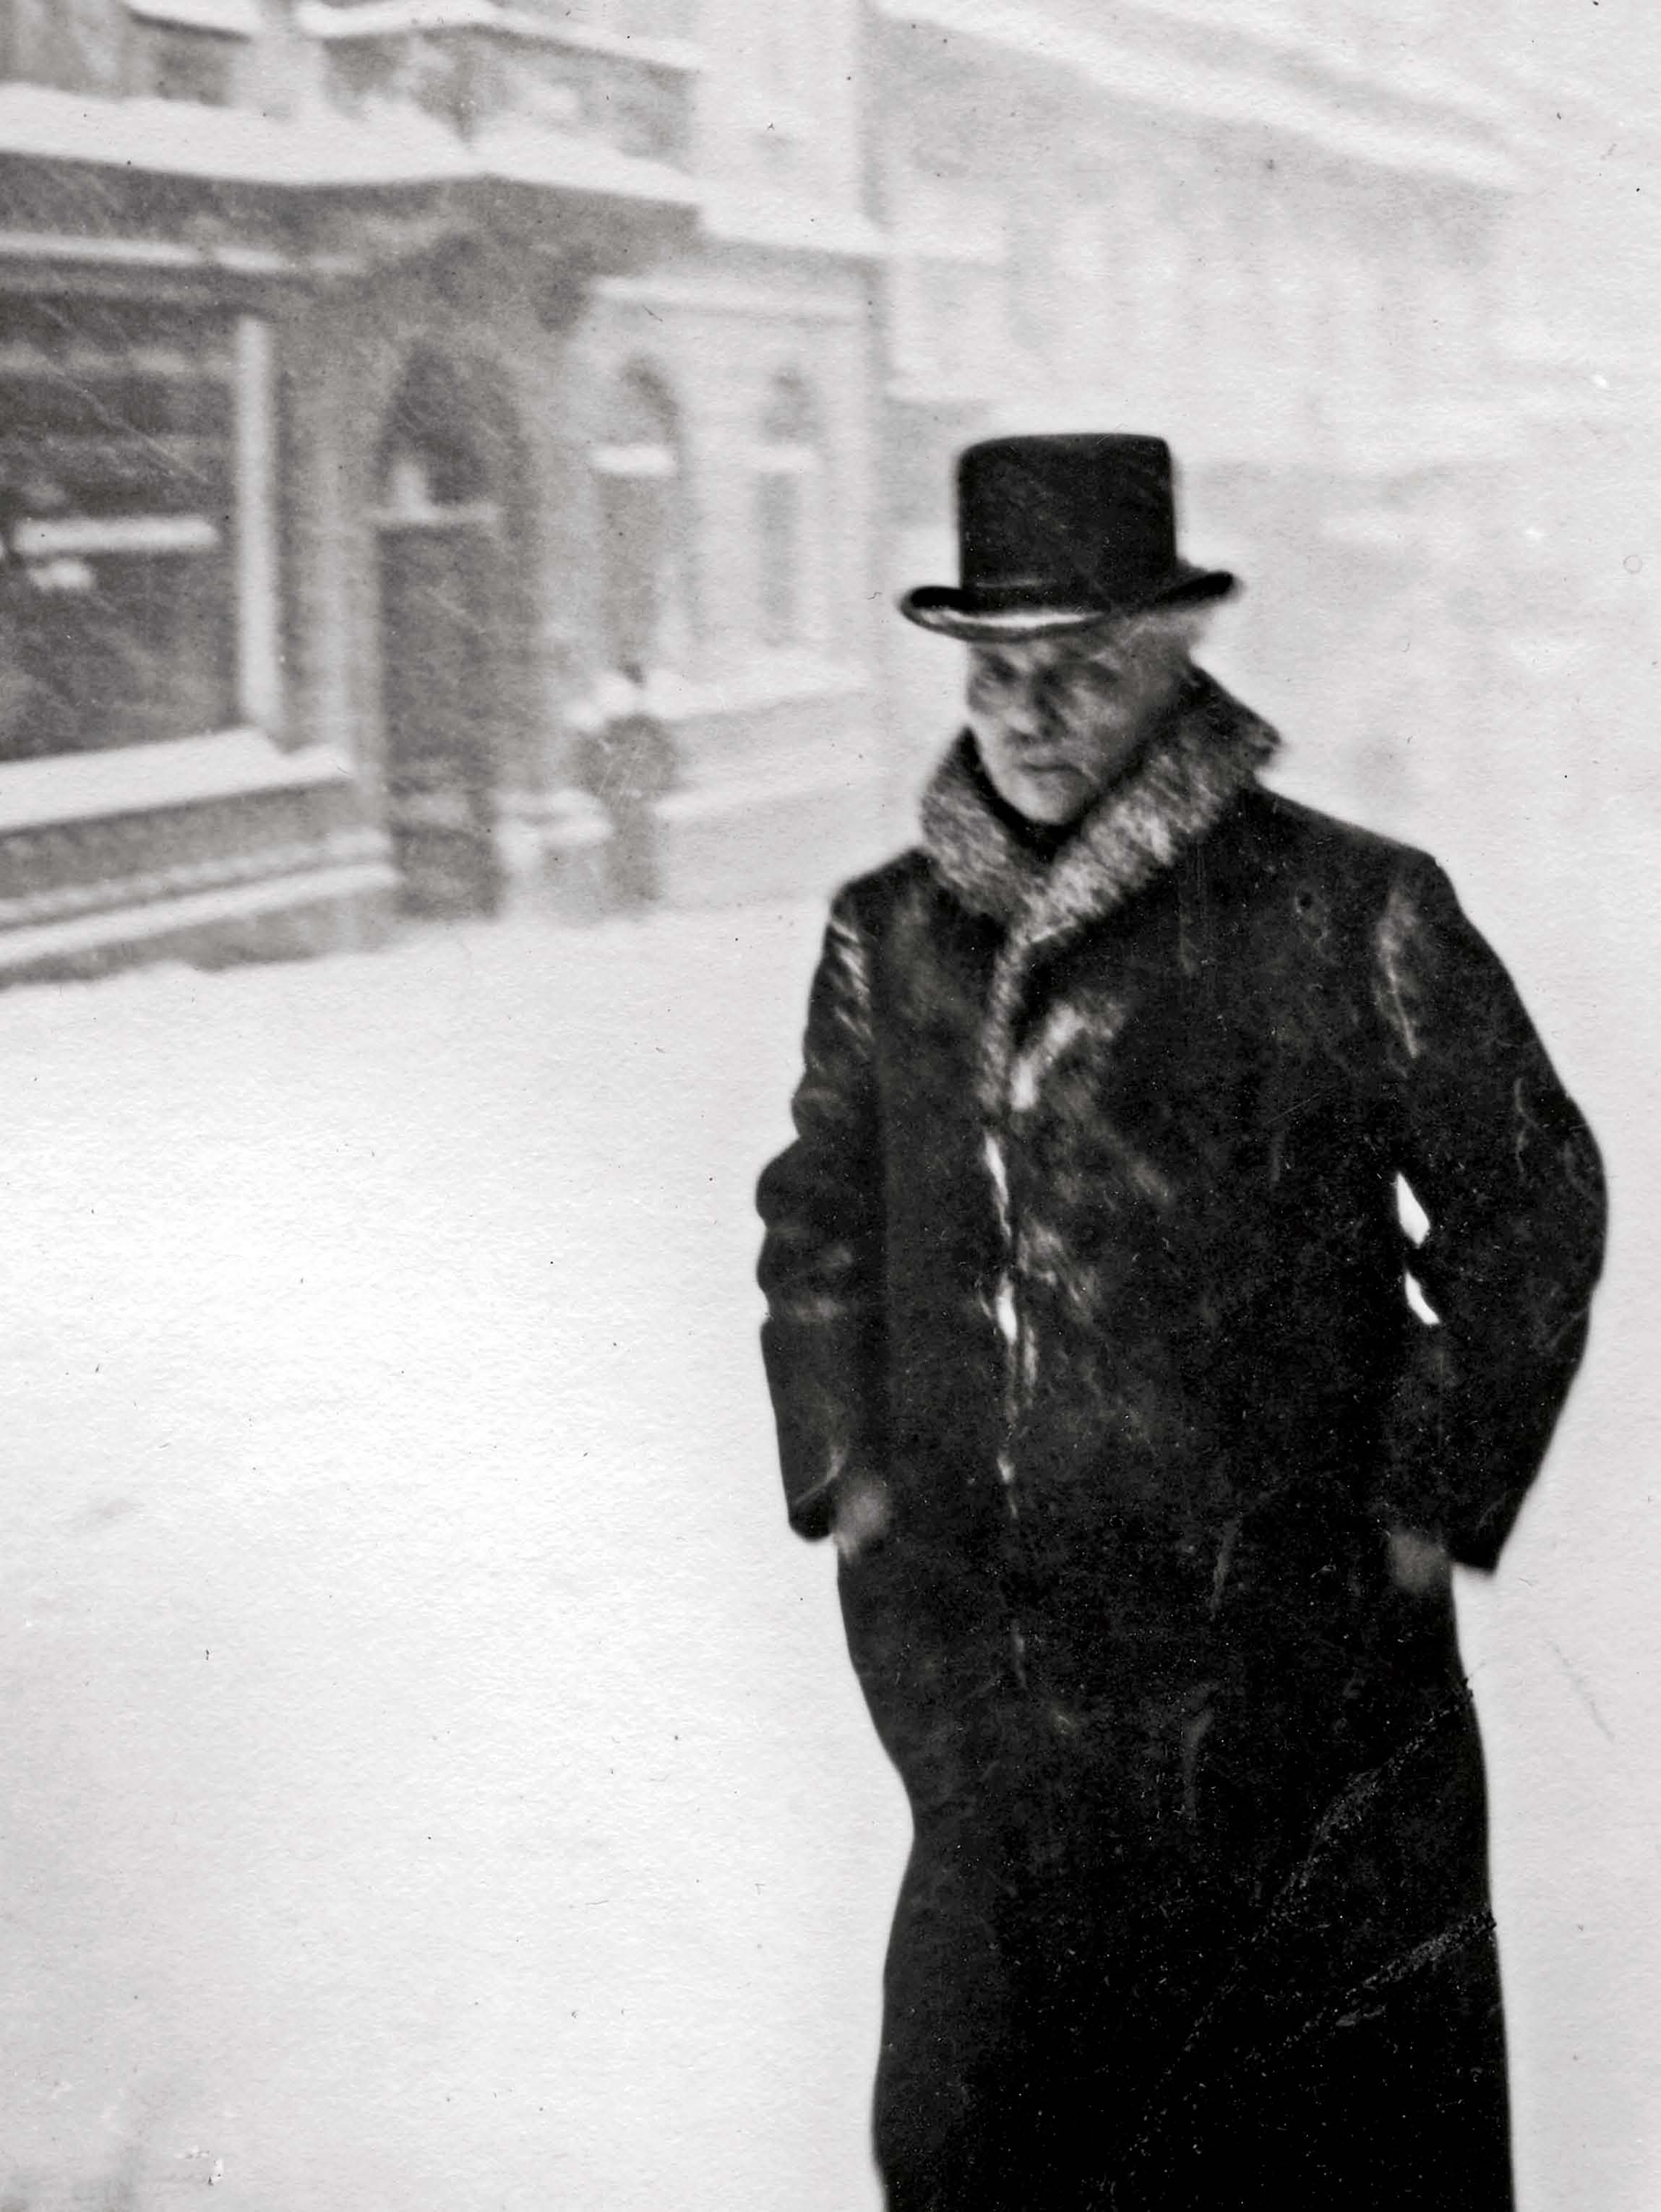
pixel 1090 1248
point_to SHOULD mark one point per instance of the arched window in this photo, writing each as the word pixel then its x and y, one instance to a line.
pixel 787 520
pixel 642 501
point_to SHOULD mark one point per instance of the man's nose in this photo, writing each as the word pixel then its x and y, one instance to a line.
pixel 1029 722
pixel 1044 701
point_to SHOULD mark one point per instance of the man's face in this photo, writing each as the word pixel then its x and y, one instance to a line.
pixel 1057 718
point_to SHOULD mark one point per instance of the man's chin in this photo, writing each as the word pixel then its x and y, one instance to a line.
pixel 1053 797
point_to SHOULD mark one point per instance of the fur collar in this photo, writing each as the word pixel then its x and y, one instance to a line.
pixel 1196 766
pixel 1206 755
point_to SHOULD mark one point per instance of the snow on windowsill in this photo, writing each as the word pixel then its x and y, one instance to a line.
pixel 780 681
pixel 37 794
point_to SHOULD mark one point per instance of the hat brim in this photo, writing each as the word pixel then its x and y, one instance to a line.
pixel 979 618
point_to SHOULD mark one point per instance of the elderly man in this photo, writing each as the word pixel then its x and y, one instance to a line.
pixel 1145 1431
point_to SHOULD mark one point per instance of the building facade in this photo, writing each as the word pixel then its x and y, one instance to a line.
pixel 378 375
pixel 1271 232
pixel 383 378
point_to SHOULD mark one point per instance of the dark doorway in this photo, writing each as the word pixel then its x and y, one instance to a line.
pixel 442 620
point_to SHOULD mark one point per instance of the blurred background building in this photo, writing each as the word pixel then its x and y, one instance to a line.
pixel 378 378
pixel 1274 240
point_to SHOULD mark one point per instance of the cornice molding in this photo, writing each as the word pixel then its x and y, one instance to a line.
pixel 1397 132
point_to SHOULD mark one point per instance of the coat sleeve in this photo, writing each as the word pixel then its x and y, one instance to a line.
pixel 1501 1161
pixel 821 1268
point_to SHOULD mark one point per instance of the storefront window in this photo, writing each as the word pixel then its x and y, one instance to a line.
pixel 118 565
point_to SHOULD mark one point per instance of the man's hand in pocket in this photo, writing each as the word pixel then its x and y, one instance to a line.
pixel 863 1513
pixel 1418 1563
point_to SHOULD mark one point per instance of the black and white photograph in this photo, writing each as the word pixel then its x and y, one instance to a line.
pixel 828 885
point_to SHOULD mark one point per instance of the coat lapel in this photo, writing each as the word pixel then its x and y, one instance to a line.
pixel 1196 767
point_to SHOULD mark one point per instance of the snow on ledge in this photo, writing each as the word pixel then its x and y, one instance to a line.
pixel 68 788
pixel 33 944
pixel 760 218
pixel 232 19
pixel 779 680
pixel 382 19
pixel 326 20
pixel 237 145
pixel 387 144
pixel 519 152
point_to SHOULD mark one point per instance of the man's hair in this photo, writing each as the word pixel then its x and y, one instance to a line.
pixel 1168 633
pixel 1165 634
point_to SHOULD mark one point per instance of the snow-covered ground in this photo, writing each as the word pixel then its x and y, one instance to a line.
pixel 433 1781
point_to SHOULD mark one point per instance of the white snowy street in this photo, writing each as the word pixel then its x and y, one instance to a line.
pixel 434 1780
pixel 429 1754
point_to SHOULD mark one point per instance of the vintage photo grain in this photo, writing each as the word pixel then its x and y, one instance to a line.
pixel 827 887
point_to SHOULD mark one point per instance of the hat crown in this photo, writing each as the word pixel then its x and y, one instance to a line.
pixel 1094 513
pixel 1060 533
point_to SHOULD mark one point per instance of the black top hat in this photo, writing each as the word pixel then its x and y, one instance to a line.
pixel 1061 533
